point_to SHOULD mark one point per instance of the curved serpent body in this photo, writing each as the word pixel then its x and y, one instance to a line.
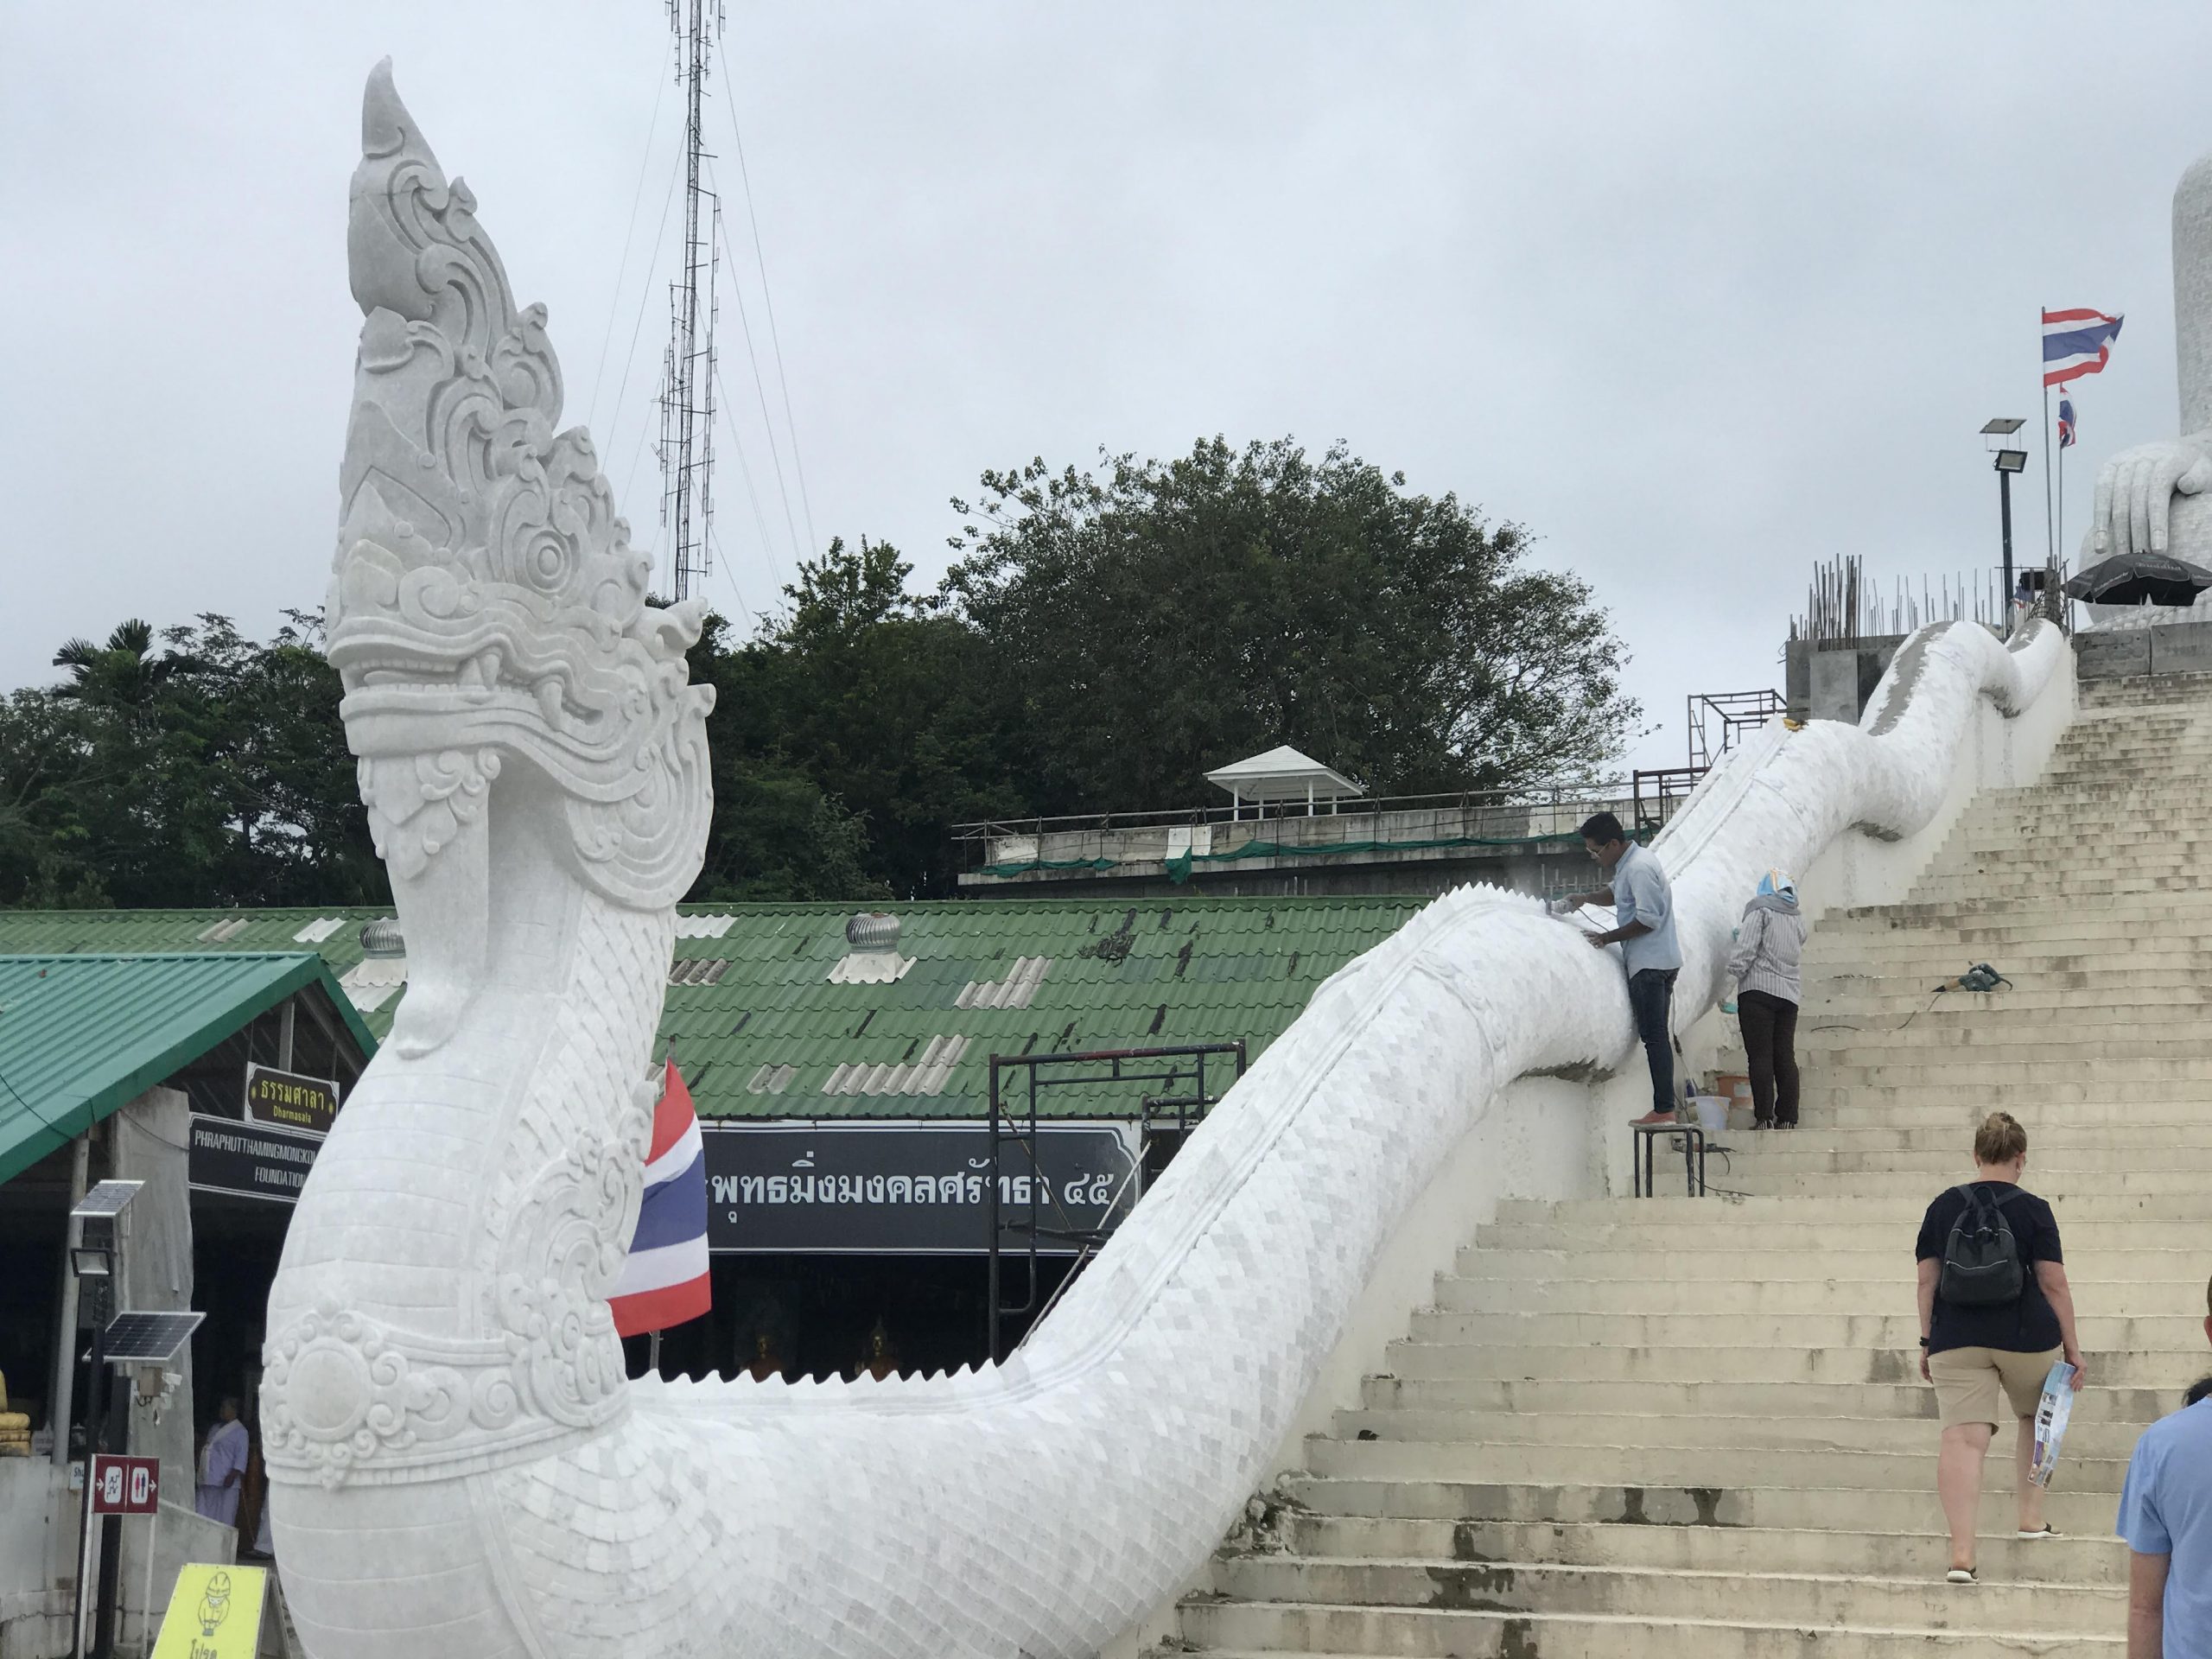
pixel 463 1471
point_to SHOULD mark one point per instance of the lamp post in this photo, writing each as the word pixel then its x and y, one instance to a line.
pixel 2007 461
pixel 92 1262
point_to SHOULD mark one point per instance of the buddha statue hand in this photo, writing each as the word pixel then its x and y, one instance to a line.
pixel 2135 497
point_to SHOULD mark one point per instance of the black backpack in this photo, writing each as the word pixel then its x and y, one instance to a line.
pixel 1982 1260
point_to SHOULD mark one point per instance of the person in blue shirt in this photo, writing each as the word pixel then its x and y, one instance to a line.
pixel 1643 904
pixel 2166 1515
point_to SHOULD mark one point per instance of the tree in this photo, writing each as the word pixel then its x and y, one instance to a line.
pixel 1101 642
pixel 194 767
pixel 879 698
pixel 1167 618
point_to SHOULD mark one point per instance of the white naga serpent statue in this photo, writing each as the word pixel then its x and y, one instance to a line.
pixel 462 1470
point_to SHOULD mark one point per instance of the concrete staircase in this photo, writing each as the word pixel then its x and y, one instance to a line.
pixel 1675 1428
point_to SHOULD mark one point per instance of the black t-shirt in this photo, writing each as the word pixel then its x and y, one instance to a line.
pixel 2026 1326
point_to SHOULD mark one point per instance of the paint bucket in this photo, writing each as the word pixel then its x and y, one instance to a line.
pixel 1712 1114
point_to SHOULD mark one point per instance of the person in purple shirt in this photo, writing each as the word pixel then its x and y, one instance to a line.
pixel 2166 1515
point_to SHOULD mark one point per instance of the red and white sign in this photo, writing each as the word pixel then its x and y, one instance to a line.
pixel 126 1486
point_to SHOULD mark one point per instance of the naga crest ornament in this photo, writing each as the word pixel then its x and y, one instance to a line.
pixel 485 603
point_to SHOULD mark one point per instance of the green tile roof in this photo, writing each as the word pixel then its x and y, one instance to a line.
pixel 83 1033
pixel 76 931
pixel 1119 975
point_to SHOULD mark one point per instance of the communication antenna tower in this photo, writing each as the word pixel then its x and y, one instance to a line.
pixel 687 391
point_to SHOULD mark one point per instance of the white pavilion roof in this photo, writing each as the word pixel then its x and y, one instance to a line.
pixel 1282 774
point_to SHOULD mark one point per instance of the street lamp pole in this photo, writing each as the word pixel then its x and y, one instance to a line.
pixel 2008 461
pixel 2005 513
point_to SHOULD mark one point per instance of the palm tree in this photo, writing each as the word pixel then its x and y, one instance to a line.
pixel 122 675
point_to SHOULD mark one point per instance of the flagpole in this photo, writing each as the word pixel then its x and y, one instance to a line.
pixel 652 1342
pixel 2049 535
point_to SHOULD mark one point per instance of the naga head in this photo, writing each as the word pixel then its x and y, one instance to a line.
pixel 487 614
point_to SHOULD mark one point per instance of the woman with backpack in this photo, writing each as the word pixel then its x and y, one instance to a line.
pixel 1763 963
pixel 1995 1313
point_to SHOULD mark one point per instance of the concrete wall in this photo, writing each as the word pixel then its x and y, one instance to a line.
pixel 1834 682
pixel 2122 653
pixel 38 1558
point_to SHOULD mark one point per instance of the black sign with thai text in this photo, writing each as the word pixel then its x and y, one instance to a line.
pixel 289 1101
pixel 250 1159
pixel 893 1189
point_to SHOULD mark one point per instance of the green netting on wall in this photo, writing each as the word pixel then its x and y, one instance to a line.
pixel 1024 868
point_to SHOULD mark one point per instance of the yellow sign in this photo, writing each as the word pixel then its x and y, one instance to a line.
pixel 215 1614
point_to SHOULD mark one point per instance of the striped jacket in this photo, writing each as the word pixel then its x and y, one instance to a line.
pixel 1767 948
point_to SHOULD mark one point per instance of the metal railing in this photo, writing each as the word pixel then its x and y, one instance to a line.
pixel 1736 715
pixel 1181 1098
pixel 1659 791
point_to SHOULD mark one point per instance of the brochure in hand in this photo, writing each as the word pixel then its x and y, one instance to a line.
pixel 2051 1413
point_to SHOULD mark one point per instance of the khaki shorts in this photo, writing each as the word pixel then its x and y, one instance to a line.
pixel 1968 1382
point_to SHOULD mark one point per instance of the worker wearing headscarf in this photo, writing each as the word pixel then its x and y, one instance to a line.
pixel 1764 965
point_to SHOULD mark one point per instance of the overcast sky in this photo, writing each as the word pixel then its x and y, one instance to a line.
pixel 1699 294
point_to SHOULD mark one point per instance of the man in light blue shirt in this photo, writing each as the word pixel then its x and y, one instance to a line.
pixel 2166 1515
pixel 1643 904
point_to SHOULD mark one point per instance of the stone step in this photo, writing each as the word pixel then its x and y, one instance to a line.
pixel 1886 1004
pixel 1687 1227
pixel 2118 942
pixel 1835 1210
pixel 2059 1141
pixel 2120 849
pixel 2043 848
pixel 2115 794
pixel 2163 908
pixel 2061 1189
pixel 2181 1335
pixel 2056 1166
pixel 1501 1357
pixel 1976 1042
pixel 1827 983
pixel 1869 1254
pixel 2116 804
pixel 2155 1101
pixel 2089 1436
pixel 1229 1629
pixel 1705 1549
pixel 1913 1401
pixel 1663 1465
pixel 2179 691
pixel 2056 888
pixel 1404 1591
pixel 1850 991
pixel 1661 1289
pixel 1892 964
pixel 1906 1510
pixel 1997 1075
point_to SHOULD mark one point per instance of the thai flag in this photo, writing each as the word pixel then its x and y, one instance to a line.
pixel 2066 423
pixel 665 1282
pixel 2075 343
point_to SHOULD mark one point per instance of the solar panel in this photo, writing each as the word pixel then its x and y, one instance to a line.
pixel 146 1338
pixel 108 1199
